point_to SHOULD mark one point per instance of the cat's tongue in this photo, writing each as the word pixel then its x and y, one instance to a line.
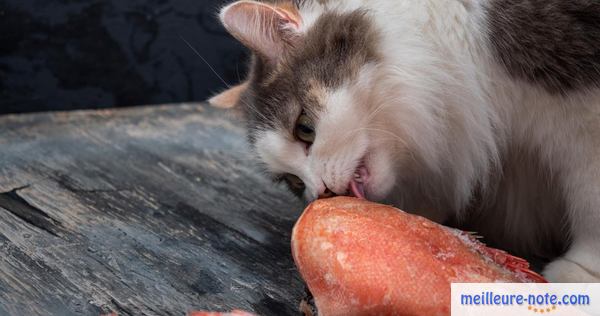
pixel 357 189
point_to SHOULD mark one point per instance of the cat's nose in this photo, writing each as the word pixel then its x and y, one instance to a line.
pixel 326 194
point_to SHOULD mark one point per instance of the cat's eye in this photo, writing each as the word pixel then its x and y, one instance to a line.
pixel 305 130
pixel 294 182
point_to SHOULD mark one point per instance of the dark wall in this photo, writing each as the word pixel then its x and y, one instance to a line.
pixel 72 54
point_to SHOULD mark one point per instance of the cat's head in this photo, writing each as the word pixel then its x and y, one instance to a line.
pixel 317 101
pixel 307 99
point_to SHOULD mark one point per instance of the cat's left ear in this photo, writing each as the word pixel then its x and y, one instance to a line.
pixel 267 29
pixel 228 98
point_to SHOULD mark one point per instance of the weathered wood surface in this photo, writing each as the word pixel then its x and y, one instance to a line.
pixel 155 211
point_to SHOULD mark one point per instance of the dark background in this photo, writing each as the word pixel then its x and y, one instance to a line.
pixel 74 54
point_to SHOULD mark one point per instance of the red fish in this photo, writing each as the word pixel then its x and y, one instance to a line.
pixel 362 258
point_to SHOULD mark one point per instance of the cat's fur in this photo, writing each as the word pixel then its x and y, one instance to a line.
pixel 481 112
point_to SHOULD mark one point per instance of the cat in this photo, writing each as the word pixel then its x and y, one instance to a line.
pixel 482 113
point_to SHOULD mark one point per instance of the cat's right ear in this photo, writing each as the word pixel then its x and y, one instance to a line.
pixel 228 98
pixel 267 29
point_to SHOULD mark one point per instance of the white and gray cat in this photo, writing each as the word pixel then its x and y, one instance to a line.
pixel 484 113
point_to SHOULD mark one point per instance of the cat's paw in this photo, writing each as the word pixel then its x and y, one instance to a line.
pixel 565 271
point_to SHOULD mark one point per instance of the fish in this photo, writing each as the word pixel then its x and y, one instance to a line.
pixel 363 258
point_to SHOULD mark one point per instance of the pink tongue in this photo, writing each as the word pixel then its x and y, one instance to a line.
pixel 358 189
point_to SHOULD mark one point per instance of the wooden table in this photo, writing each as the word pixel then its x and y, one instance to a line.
pixel 152 210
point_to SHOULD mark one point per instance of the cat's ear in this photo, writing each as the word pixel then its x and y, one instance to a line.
pixel 267 29
pixel 228 98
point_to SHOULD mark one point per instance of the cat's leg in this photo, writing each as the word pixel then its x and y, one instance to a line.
pixel 581 263
pixel 578 265
pixel 581 176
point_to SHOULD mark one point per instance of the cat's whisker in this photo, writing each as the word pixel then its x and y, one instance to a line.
pixel 394 138
pixel 204 60
pixel 375 112
pixel 371 129
pixel 216 74
pixel 251 107
pixel 254 109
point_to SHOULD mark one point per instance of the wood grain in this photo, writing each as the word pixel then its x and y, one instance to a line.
pixel 146 211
